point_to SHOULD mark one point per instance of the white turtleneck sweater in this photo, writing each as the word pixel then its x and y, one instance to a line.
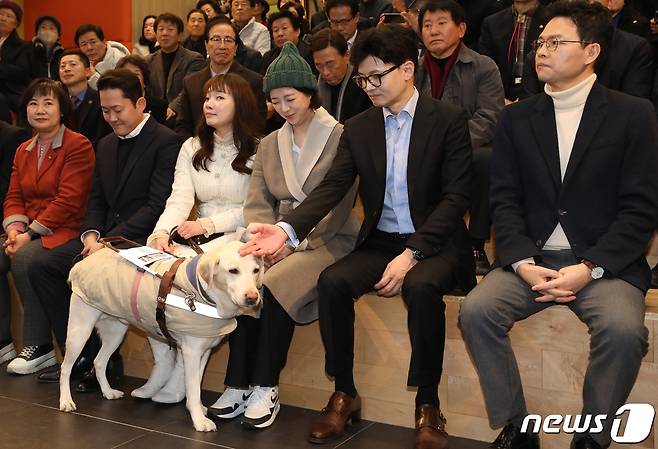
pixel 219 193
pixel 569 105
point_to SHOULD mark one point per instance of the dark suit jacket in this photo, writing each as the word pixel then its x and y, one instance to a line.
pixel 495 39
pixel 14 69
pixel 249 58
pixel 90 123
pixel 631 21
pixel 629 67
pixel 191 104
pixel 10 138
pixel 607 203
pixel 438 178
pixel 353 101
pixel 185 62
pixel 130 203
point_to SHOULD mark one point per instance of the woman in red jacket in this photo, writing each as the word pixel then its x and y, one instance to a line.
pixel 44 208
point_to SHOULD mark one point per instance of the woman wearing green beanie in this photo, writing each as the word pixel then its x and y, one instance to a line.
pixel 290 163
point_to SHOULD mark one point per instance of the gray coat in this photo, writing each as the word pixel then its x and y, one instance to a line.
pixel 276 187
pixel 185 62
pixel 474 84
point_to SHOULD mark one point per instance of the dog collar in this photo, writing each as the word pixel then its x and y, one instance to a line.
pixel 191 272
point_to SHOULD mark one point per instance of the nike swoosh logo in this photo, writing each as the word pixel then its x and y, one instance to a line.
pixel 245 396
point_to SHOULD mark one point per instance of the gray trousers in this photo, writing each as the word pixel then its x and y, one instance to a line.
pixel 613 311
pixel 36 327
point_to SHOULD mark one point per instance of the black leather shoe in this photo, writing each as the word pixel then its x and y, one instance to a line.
pixel 654 277
pixel 482 264
pixel 81 366
pixel 512 438
pixel 585 443
pixel 114 372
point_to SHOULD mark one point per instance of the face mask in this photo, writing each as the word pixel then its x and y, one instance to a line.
pixel 48 37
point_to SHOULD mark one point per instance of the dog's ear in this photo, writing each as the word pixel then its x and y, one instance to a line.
pixel 206 269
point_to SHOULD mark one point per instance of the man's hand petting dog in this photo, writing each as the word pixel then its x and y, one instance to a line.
pixel 267 240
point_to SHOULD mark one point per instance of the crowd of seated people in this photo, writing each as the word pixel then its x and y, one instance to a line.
pixel 453 123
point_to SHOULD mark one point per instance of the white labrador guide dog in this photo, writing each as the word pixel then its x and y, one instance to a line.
pixel 109 294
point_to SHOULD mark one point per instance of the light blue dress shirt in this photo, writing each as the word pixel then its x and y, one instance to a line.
pixel 396 216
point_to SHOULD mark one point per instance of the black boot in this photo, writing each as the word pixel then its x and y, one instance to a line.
pixel 114 372
pixel 80 367
pixel 654 277
pixel 482 265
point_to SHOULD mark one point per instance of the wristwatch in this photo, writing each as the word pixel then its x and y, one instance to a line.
pixel 596 271
pixel 417 254
pixel 33 235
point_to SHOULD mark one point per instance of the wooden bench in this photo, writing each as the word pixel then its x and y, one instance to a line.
pixel 551 349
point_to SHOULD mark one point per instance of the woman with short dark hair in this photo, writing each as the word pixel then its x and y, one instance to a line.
pixel 44 208
pixel 289 164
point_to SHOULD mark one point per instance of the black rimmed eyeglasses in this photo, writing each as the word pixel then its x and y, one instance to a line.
pixel 375 79
pixel 553 43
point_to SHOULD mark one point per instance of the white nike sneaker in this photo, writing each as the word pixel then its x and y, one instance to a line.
pixel 230 404
pixel 7 351
pixel 261 408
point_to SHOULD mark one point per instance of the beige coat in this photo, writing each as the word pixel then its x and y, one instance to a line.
pixel 277 186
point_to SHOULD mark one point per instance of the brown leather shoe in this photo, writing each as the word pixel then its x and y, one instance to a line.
pixel 430 428
pixel 330 424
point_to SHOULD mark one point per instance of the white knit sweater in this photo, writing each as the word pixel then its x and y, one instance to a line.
pixel 218 192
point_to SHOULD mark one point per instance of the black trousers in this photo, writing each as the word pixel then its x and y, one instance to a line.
pixel 480 222
pixel 259 347
pixel 50 270
pixel 422 291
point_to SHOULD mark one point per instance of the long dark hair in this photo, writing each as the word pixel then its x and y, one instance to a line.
pixel 142 39
pixel 247 124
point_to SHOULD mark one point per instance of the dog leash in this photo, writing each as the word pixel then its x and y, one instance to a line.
pixel 166 284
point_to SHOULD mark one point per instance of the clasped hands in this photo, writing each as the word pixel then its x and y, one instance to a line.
pixel 269 240
pixel 558 286
pixel 14 241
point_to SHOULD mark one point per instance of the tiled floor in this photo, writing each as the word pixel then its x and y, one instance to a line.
pixel 29 418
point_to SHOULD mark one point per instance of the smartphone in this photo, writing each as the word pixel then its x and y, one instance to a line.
pixel 393 17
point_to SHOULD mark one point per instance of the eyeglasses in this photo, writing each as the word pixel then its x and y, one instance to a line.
pixel 225 40
pixel 375 79
pixel 341 21
pixel 553 43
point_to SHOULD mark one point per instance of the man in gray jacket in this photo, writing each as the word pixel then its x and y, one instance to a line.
pixel 452 72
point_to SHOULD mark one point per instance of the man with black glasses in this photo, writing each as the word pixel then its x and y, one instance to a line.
pixel 413 156
pixel 574 201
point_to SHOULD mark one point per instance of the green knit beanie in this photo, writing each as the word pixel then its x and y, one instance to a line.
pixel 289 69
